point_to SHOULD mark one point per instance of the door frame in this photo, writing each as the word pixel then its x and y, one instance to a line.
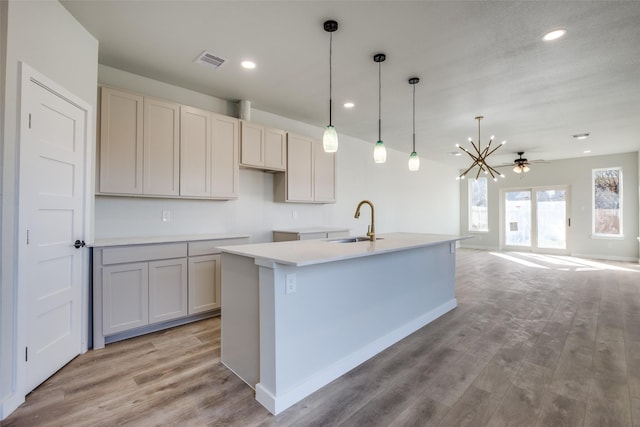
pixel 29 75
pixel 534 220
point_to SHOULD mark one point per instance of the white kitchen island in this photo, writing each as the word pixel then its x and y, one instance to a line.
pixel 297 315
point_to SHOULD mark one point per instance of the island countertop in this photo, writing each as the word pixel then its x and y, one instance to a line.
pixel 309 252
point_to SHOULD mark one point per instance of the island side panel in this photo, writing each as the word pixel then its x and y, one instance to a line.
pixel 344 312
pixel 240 337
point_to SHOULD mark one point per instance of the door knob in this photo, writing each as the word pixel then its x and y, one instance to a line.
pixel 79 244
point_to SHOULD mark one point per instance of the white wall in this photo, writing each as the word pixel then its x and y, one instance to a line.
pixel 45 36
pixel 404 201
pixel 577 174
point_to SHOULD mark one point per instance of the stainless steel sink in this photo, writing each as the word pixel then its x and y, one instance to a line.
pixel 353 239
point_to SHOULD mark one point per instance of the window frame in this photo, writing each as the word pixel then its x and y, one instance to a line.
pixel 620 234
pixel 470 205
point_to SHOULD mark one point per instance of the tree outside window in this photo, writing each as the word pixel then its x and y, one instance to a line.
pixel 607 202
pixel 478 206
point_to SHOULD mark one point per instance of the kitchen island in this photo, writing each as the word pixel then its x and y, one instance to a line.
pixel 297 315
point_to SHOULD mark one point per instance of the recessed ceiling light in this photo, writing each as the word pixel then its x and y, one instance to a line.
pixel 586 151
pixel 555 34
pixel 249 65
pixel 455 153
pixel 581 135
pixel 349 105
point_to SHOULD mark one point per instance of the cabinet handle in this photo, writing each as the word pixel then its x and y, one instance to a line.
pixel 79 244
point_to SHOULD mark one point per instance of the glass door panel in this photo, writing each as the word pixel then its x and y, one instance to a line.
pixel 517 230
pixel 551 210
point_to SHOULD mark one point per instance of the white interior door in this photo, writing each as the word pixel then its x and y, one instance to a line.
pixel 52 214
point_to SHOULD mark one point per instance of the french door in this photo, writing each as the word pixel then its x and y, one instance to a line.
pixel 536 219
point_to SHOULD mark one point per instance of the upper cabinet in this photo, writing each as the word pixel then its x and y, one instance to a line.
pixel 263 147
pixel 121 142
pixel 195 152
pixel 224 157
pixel 150 147
pixel 208 154
pixel 311 173
pixel 324 174
pixel 161 152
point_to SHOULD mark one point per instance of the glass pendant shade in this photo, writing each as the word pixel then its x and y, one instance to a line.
pixel 517 169
pixel 414 162
pixel 330 139
pixel 379 153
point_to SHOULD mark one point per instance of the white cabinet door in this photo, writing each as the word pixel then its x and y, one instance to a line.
pixel 167 289
pixel 324 174
pixel 275 149
pixel 195 152
pixel 204 283
pixel 161 148
pixel 299 175
pixel 224 158
pixel 125 297
pixel 121 145
pixel 252 136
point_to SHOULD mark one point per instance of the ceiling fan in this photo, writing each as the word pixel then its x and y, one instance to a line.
pixel 520 165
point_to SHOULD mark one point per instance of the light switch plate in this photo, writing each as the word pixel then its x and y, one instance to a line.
pixel 166 216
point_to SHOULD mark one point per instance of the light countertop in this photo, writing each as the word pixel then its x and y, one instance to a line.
pixel 309 252
pixel 123 241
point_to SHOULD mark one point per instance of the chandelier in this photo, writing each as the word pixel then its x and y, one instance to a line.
pixel 480 156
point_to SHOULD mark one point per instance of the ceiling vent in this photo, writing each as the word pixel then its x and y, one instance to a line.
pixel 210 60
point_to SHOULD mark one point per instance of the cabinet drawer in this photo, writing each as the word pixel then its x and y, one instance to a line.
pixel 337 234
pixel 310 236
pixel 126 254
pixel 210 247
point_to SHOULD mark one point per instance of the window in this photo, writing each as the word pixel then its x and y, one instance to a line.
pixel 478 211
pixel 607 202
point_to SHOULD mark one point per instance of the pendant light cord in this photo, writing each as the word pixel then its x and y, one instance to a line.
pixel 414 118
pixel 379 101
pixel 330 75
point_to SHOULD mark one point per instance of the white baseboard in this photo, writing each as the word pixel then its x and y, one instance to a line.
pixel 606 257
pixel 278 403
pixel 482 248
pixel 9 404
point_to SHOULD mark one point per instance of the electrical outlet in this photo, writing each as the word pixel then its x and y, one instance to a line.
pixel 291 284
pixel 166 216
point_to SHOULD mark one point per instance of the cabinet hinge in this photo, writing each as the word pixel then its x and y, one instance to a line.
pixel 26 354
pixel 569 222
pixel 29 120
pixel 27 236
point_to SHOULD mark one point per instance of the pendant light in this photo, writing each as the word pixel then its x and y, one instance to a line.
pixel 414 160
pixel 379 152
pixel 330 136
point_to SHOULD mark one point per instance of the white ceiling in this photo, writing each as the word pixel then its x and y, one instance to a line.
pixel 472 58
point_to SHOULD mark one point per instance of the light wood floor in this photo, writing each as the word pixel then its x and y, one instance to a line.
pixel 553 343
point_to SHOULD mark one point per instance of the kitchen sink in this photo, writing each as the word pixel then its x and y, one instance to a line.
pixel 353 239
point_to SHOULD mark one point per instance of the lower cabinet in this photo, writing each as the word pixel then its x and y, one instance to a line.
pixel 143 293
pixel 125 297
pixel 143 288
pixel 167 290
pixel 204 283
